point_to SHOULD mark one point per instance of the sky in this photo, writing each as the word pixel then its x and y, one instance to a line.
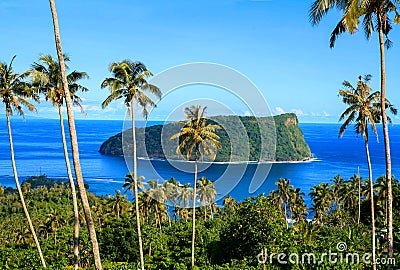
pixel 270 42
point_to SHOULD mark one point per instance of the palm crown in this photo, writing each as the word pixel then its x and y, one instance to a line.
pixel 197 135
pixel 14 91
pixel 130 83
pixel 46 76
pixel 374 16
pixel 364 106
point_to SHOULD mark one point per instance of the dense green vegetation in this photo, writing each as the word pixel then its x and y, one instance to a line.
pixel 243 138
pixel 227 237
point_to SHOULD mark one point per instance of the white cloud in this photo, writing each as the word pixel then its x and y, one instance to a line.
pixel 91 108
pixel 320 114
pixel 247 113
pixel 298 112
pixel 279 110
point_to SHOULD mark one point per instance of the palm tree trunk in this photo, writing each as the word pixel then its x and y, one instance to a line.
pixel 136 187
pixel 74 143
pixel 194 206
pixel 284 207
pixel 21 196
pixel 205 211
pixel 359 196
pixel 387 143
pixel 73 191
pixel 372 204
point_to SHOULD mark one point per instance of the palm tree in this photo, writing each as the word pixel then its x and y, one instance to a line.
pixel 53 222
pixel 118 203
pixel 46 76
pixel 196 137
pixel 297 206
pixel 171 189
pixel 283 195
pixel 375 15
pixel 14 92
pixel 129 183
pixel 185 192
pixel 129 81
pixel 207 193
pixel 337 189
pixel 364 110
pixel 157 193
pixel 74 142
pixel 229 201
pixel 322 199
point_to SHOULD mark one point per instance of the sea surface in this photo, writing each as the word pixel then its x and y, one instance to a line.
pixel 38 150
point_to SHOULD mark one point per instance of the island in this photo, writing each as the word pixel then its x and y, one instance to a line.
pixel 243 138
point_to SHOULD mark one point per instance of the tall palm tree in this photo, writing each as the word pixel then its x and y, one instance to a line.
pixel 46 76
pixel 207 193
pixel 297 206
pixel 53 222
pixel 129 81
pixel 74 141
pixel 129 183
pixel 283 195
pixel 118 203
pixel 375 17
pixel 185 192
pixel 14 92
pixel 364 110
pixel 337 189
pixel 322 199
pixel 171 188
pixel 157 193
pixel 197 137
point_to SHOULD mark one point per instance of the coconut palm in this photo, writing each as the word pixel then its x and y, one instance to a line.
pixel 337 190
pixel 74 141
pixel 207 193
pixel 322 199
pixel 46 76
pixel 118 203
pixel 53 222
pixel 375 17
pixel 364 110
pixel 196 138
pixel 297 206
pixel 129 82
pixel 171 189
pixel 283 195
pixel 185 192
pixel 14 91
pixel 129 183
pixel 157 193
pixel 229 201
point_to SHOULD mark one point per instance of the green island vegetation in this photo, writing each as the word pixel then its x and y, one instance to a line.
pixel 230 236
pixel 282 131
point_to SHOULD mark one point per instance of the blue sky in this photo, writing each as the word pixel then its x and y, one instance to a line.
pixel 270 42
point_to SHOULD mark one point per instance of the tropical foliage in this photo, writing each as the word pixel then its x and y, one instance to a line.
pixel 231 237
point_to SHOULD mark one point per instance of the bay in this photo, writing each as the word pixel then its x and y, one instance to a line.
pixel 38 150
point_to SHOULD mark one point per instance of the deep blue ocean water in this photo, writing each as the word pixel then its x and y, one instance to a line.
pixel 38 150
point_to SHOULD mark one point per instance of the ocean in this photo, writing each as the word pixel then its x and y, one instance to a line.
pixel 38 150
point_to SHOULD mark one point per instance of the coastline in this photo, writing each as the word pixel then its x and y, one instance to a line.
pixel 309 160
